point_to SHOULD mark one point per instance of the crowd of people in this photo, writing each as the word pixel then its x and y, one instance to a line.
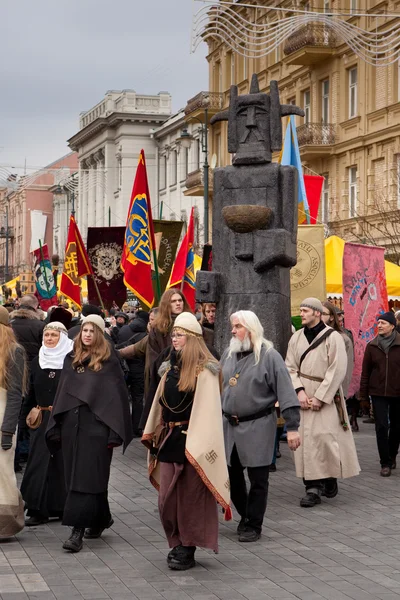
pixel 74 389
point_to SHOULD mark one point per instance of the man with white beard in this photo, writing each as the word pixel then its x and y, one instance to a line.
pixel 255 377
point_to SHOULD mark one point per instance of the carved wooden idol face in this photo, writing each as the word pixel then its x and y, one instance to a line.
pixel 252 130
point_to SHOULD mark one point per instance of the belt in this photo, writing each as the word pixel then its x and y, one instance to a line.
pixel 234 420
pixel 45 407
pixel 172 424
pixel 310 377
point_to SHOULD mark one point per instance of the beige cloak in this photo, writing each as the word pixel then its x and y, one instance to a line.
pixel 327 450
pixel 205 448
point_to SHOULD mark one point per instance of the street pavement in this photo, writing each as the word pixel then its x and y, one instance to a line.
pixel 348 547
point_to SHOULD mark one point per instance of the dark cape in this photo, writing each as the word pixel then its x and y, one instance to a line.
pixel 43 487
pixel 104 392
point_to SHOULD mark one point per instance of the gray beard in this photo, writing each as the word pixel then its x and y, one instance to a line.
pixel 237 346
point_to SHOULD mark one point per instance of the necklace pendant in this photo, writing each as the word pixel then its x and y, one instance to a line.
pixel 233 381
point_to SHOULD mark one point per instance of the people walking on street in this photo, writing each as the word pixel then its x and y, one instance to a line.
pixel 90 417
pixel 43 485
pixel 254 379
pixel 13 385
pixel 317 363
pixel 186 446
pixel 380 380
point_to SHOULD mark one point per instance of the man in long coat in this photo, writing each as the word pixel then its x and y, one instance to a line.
pixel 317 364
pixel 254 378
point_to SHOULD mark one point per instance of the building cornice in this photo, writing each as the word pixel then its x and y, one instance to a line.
pixel 111 121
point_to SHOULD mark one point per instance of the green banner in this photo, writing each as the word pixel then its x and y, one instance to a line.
pixel 167 234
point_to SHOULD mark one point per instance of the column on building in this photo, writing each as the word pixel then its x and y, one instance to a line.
pixel 91 222
pixel 85 198
pixel 100 189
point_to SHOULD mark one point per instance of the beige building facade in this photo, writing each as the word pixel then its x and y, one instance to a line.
pixel 351 130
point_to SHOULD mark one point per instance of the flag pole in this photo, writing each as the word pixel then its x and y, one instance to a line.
pixel 44 270
pixel 97 290
pixel 158 285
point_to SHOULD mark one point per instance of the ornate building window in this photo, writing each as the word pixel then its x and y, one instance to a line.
pixel 307 106
pixel 353 76
pixel 352 173
pixel 325 199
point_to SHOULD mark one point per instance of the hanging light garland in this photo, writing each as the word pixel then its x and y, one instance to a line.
pixel 220 21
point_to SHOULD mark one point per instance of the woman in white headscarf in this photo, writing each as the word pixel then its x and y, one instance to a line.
pixel 43 487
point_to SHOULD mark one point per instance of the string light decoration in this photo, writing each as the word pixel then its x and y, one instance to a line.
pixel 63 177
pixel 231 25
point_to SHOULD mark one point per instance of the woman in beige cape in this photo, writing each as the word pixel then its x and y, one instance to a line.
pixel 184 436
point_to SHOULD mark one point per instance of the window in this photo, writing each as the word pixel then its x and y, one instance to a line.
pixel 277 50
pixel 163 172
pixel 174 167
pixel 325 101
pixel 352 191
pixel 325 199
pixel 244 67
pixel 307 106
pixel 184 160
pixel 352 92
pixel 353 6
pixel 327 6
pixel 232 67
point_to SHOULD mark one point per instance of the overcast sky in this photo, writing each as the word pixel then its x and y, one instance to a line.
pixel 59 58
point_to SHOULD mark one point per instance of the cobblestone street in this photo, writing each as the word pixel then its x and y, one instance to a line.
pixel 348 547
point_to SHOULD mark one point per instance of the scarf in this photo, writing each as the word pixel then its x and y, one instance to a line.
pixel 53 358
pixel 205 448
pixel 385 341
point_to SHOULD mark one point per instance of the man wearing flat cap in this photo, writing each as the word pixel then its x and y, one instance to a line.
pixel 317 363
pixel 380 380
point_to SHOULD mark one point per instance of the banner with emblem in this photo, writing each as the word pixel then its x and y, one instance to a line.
pixel 76 265
pixel 46 291
pixel 167 234
pixel 104 247
pixel 308 277
pixel 364 297
pixel 139 241
pixel 183 276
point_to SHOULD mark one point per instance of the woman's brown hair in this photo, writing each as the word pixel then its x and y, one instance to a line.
pixel 332 313
pixel 9 346
pixel 163 320
pixel 98 352
pixel 193 358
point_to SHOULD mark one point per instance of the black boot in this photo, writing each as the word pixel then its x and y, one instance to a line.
pixel 310 499
pixel 35 520
pixel 74 542
pixel 242 525
pixel 95 532
pixel 182 559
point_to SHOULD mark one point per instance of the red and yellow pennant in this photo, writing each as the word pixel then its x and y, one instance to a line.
pixel 183 275
pixel 76 264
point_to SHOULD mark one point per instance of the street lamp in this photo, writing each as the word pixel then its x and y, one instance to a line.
pixel 186 141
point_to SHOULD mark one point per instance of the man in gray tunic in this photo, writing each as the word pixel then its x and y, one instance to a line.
pixel 254 379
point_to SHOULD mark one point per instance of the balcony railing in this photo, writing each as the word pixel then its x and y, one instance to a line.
pixel 213 101
pixel 313 34
pixel 316 134
pixel 195 179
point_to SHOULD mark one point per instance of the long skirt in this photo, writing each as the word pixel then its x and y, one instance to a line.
pixel 188 510
pixel 87 462
pixel 11 504
pixel 43 485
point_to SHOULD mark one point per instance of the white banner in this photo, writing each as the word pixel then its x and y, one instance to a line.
pixel 38 228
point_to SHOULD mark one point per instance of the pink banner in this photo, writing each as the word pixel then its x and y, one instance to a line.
pixel 364 297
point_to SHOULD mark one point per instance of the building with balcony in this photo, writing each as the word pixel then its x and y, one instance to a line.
pixel 110 138
pixel 351 130
pixel 176 190
pixel 26 215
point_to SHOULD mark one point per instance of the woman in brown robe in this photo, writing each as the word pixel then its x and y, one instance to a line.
pixel 185 438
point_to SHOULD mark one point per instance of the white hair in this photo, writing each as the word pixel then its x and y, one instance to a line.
pixel 251 322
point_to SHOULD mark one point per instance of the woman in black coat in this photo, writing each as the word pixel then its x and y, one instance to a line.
pixel 90 417
pixel 43 488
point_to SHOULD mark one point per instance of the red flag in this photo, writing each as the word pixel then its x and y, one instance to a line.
pixel 139 240
pixel 182 275
pixel 313 185
pixel 76 264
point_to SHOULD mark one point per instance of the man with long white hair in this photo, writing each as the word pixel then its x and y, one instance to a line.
pixel 254 379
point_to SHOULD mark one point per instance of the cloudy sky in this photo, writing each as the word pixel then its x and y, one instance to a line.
pixel 59 58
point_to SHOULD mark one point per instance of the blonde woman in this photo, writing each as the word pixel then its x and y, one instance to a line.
pixel 185 438
pixel 90 417
pixel 13 385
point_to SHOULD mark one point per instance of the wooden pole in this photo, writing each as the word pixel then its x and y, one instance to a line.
pixel 97 290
